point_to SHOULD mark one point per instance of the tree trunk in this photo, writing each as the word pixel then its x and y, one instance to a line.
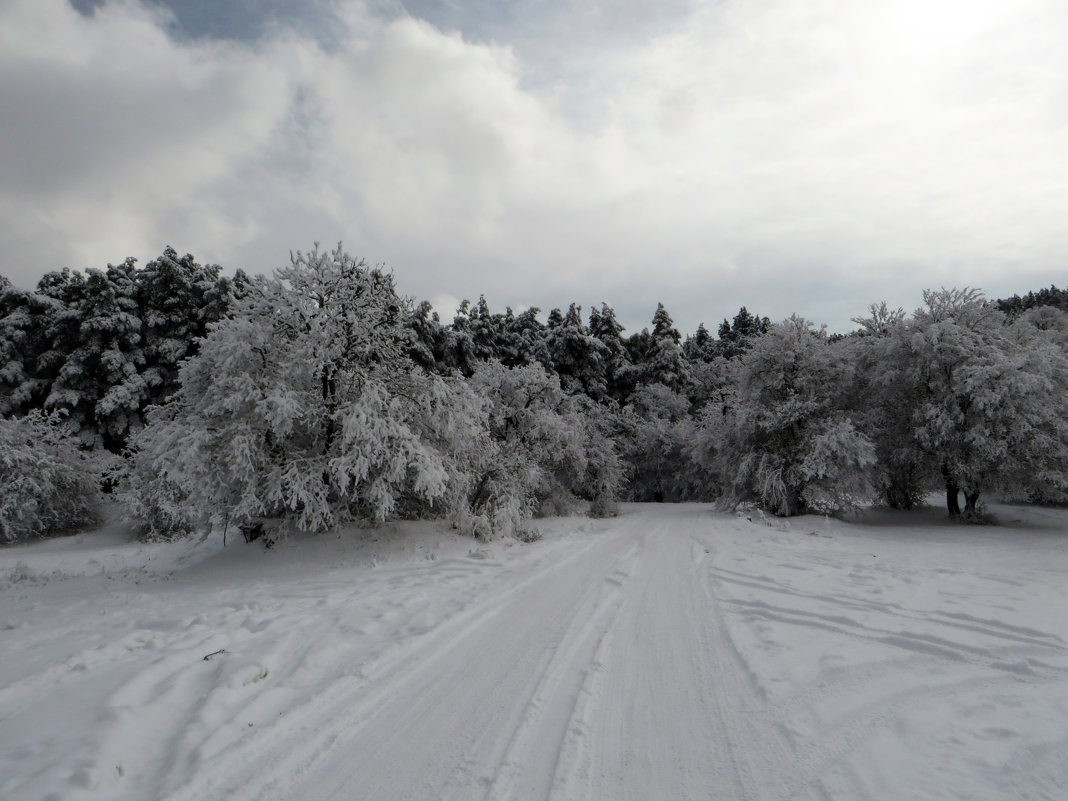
pixel 952 491
pixel 971 500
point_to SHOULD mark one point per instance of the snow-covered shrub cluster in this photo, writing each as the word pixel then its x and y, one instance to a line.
pixel 318 396
pixel 48 485
pixel 305 405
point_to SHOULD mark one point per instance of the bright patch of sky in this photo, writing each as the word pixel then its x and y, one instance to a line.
pixel 789 155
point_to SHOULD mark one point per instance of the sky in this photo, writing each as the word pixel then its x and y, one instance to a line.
pixel 808 156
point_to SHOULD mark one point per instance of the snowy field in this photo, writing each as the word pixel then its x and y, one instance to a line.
pixel 670 653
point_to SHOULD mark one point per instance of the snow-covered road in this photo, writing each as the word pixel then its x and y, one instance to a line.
pixel 670 653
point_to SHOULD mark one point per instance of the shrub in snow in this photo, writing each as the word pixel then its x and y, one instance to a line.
pixel 547 451
pixel 302 405
pixel 47 485
pixel 656 429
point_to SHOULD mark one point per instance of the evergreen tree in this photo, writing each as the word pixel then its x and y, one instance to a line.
pixel 428 340
pixel 606 329
pixel 1052 297
pixel 25 320
pixel 177 299
pixel 656 357
pixel 735 339
pixel 665 362
pixel 99 384
pixel 700 347
pixel 577 357
pixel 486 330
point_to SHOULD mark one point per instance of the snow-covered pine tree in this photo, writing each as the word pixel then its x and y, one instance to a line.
pixel 428 339
pixel 607 330
pixel 736 337
pixel 700 347
pixel 577 357
pixel 656 356
pixel 25 318
pixel 525 340
pixel 666 363
pixel 177 299
pixel 486 330
pixel 98 383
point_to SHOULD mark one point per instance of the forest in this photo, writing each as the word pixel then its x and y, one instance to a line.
pixel 318 395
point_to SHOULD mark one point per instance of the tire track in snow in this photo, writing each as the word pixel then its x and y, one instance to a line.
pixel 163 714
pixel 551 731
pixel 837 722
pixel 667 711
pixel 352 712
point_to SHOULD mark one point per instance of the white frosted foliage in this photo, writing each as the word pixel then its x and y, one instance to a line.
pixel 301 405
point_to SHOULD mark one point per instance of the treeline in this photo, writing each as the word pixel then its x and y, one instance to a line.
pixel 319 395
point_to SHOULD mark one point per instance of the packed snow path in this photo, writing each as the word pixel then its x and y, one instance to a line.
pixel 671 653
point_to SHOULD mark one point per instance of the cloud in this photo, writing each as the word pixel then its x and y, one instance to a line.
pixel 790 156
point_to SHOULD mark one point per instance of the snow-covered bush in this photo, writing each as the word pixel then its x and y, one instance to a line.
pixel 47 485
pixel 656 431
pixel 548 451
pixel 302 405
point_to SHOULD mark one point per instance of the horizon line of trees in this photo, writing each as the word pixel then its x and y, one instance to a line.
pixel 319 395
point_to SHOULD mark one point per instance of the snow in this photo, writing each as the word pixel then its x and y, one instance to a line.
pixel 670 653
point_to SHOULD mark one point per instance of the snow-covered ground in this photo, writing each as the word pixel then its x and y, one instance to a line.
pixel 670 653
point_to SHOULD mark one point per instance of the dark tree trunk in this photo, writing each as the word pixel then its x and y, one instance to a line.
pixel 952 491
pixel 971 501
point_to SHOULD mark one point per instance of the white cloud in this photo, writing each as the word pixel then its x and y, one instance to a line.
pixel 810 156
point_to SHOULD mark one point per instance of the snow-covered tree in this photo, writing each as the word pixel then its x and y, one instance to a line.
pixel 99 383
pixel 655 435
pixel 655 356
pixel 883 402
pixel 177 299
pixel 25 318
pixel 607 330
pixel 578 358
pixel 429 341
pixel 785 442
pixel 994 401
pixel 735 337
pixel 102 347
pixel 302 405
pixel 48 486
pixel 700 347
pixel 549 449
pixel 524 342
